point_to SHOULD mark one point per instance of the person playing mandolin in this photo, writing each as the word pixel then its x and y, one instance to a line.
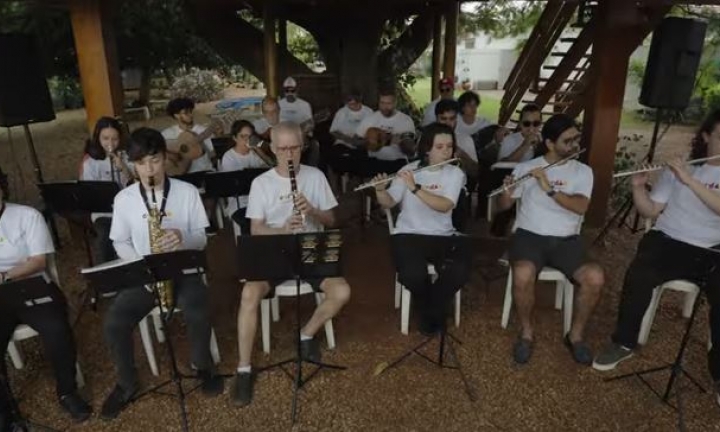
pixel 189 146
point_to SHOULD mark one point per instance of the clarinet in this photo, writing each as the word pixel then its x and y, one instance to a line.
pixel 294 189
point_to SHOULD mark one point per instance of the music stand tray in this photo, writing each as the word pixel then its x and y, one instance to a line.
pixel 82 196
pixel 279 257
pixel 224 184
pixel 196 179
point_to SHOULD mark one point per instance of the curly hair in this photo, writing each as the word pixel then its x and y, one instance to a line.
pixel 699 146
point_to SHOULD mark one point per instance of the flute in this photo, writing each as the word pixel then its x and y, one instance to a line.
pixel 528 176
pixel 393 177
pixel 658 167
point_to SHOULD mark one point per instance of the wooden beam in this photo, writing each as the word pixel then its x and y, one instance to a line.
pixel 451 29
pixel 614 42
pixel 282 47
pixel 270 52
pixel 436 54
pixel 97 59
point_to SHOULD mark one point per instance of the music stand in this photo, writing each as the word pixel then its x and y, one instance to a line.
pixel 446 340
pixel 196 179
pixel 149 270
pixel 227 184
pixel 23 293
pixel 278 257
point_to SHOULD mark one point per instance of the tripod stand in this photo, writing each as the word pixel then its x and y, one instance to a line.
pixel 676 369
pixel 258 261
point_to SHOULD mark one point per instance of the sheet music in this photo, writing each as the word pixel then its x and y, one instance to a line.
pixel 109 264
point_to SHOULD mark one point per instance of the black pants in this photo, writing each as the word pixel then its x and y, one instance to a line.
pixel 102 247
pixel 659 259
pixel 452 258
pixel 50 320
pixel 239 218
pixel 132 305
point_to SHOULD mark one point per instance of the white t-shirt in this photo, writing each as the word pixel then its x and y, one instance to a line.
pixel 100 170
pixel 261 125
pixel 538 212
pixel 396 124
pixel 686 217
pixel 184 211
pixel 429 114
pixel 347 121
pixel 511 143
pixel 416 217
pixel 297 112
pixel 23 233
pixel 468 129
pixel 466 144
pixel 203 163
pixel 234 161
pixel 271 198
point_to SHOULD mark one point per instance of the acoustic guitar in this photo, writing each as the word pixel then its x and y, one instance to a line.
pixel 188 146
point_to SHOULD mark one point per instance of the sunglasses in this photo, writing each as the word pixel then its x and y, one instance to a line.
pixel 289 90
pixel 528 123
pixel 446 89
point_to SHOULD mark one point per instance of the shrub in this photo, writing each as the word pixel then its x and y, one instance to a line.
pixel 712 98
pixel 65 92
pixel 196 84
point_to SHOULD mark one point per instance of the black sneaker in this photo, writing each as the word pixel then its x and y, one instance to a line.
pixel 211 384
pixel 74 405
pixel 522 350
pixel 611 356
pixel 242 389
pixel 310 350
pixel 116 401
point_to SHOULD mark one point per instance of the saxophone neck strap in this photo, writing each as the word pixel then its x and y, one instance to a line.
pixel 166 192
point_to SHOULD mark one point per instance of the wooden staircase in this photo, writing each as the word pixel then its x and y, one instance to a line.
pixel 564 90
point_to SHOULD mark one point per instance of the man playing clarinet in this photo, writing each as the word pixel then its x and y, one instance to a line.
pixel 686 203
pixel 550 211
pixel 271 210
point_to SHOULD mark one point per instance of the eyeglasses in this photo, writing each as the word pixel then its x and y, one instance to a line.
pixel 446 89
pixel 290 90
pixel 292 149
pixel 528 123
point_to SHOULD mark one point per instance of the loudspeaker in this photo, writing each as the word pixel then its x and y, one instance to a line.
pixel 672 63
pixel 24 94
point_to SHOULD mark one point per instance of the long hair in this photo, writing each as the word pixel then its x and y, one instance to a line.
pixel 427 139
pixel 699 146
pixel 93 148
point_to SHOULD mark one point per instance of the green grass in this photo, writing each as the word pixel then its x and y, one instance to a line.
pixel 490 107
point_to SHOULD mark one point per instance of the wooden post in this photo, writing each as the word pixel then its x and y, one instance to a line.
pixel 97 59
pixel 436 55
pixel 270 52
pixel 451 29
pixel 282 48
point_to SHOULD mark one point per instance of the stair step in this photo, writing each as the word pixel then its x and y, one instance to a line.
pixel 559 103
pixel 576 69
pixel 570 81
pixel 563 53
pixel 568 39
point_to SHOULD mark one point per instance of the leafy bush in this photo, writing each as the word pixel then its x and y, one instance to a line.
pixel 625 160
pixel 712 98
pixel 65 92
pixel 196 84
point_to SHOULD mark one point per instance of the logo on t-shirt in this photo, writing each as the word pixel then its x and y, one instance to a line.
pixel 285 197
pixel 432 187
pixel 558 183
pixel 714 186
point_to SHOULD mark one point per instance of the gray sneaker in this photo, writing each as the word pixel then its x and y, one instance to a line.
pixel 611 356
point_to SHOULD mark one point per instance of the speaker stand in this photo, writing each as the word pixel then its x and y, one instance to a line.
pixel 33 154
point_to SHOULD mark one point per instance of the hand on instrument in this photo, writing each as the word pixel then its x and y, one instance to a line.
pixel 294 223
pixel 507 189
pixel 679 168
pixel 501 133
pixel 302 204
pixel 408 178
pixel 640 179
pixel 541 176
pixel 170 240
pixel 382 186
pixel 532 140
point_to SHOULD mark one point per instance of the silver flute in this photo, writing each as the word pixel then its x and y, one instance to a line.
pixel 371 184
pixel 658 167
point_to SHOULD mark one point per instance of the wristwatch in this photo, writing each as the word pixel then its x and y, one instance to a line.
pixel 551 193
pixel 416 189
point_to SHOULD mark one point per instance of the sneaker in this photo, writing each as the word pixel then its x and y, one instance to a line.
pixel 242 389
pixel 310 350
pixel 117 400
pixel 522 350
pixel 74 405
pixel 611 356
pixel 211 383
pixel 579 350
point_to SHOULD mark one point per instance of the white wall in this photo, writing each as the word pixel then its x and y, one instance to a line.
pixel 488 61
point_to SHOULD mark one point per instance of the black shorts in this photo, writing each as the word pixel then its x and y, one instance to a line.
pixel 566 254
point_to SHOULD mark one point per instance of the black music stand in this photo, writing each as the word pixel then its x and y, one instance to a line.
pixel 197 179
pixel 228 184
pixel 155 268
pixel 23 293
pixel 676 368
pixel 278 257
pixel 446 344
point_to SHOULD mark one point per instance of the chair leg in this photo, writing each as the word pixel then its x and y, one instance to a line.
pixel 368 207
pixel 275 305
pixel 329 330
pixel 457 308
pixel 649 317
pixel 688 304
pixel 219 215
pixel 214 349
pixel 507 303
pixel 148 345
pixel 566 287
pixel 265 324
pixel 157 322
pixel 405 311
pixel 79 378
pixel 398 292
pixel 559 287
pixel 15 355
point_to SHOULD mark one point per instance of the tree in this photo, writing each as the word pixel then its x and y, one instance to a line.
pixel 500 18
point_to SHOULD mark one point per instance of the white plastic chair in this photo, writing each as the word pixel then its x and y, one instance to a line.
pixel 690 289
pixel 289 289
pixel 403 295
pixel 24 331
pixel 146 339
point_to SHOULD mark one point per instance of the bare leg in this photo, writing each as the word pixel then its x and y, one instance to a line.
pixel 591 279
pixel 252 295
pixel 524 275
pixel 337 294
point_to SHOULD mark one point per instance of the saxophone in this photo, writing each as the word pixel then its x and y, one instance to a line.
pixel 164 288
